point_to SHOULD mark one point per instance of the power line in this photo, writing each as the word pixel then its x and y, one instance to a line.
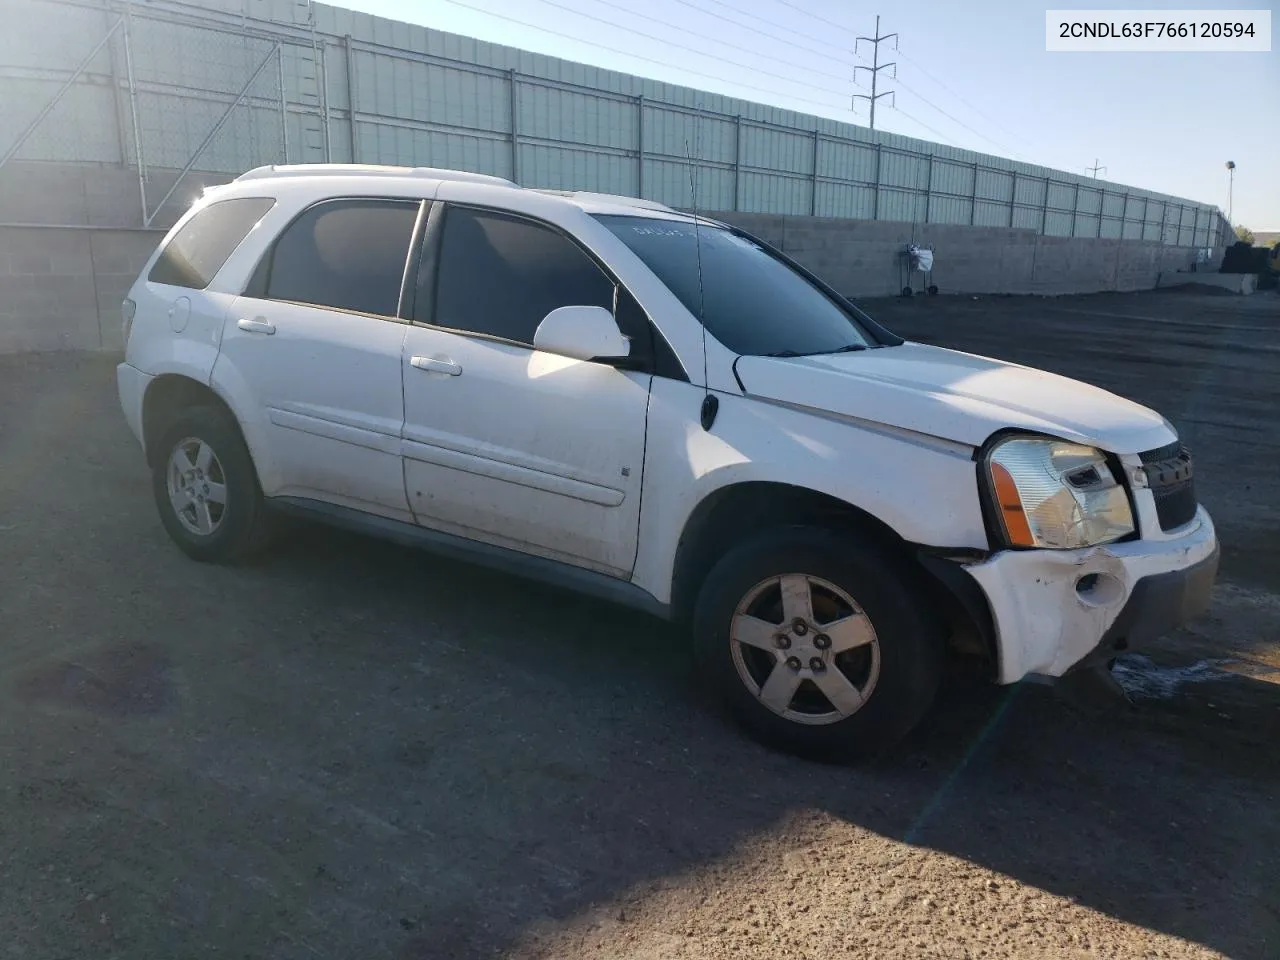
pixel 941 83
pixel 775 25
pixel 681 46
pixel 694 33
pixel 763 33
pixel 637 56
pixel 816 16
pixel 942 137
pixel 956 120
pixel 950 116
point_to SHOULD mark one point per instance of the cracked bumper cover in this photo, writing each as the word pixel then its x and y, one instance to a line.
pixel 1045 625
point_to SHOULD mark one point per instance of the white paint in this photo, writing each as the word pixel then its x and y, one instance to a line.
pixel 927 492
pixel 955 395
pixel 179 314
pixel 581 333
pixel 547 452
pixel 131 386
pixel 1042 625
pixel 525 449
pixel 323 393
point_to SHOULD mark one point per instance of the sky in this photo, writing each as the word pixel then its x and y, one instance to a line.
pixel 973 75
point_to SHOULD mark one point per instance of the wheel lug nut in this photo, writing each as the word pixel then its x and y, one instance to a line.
pixel 816 665
pixel 799 627
pixel 783 641
pixel 793 663
pixel 822 641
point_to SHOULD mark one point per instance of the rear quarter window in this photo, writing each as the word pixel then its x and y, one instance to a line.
pixel 195 254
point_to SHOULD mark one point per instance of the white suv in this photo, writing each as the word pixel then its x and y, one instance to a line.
pixel 625 400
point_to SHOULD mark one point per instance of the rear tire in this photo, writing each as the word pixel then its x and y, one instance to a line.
pixel 853 678
pixel 206 488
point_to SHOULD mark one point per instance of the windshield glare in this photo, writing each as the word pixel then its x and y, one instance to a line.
pixel 752 302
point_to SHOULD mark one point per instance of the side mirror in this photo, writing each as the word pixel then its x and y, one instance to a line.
pixel 583 333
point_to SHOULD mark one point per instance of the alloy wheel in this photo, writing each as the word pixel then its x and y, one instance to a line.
pixel 805 649
pixel 197 486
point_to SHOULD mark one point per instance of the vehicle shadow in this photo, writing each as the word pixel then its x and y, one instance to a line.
pixel 595 769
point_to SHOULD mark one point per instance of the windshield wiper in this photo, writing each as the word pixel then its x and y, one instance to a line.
pixel 848 348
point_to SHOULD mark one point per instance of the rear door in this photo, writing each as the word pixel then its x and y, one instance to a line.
pixel 316 341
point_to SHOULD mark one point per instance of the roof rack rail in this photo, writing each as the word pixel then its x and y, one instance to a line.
pixel 367 170
pixel 617 198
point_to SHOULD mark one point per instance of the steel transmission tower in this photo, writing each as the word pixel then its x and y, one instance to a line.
pixel 875 68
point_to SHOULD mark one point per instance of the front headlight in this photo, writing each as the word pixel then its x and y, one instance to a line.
pixel 1051 493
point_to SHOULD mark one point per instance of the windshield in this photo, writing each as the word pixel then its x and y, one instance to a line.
pixel 750 301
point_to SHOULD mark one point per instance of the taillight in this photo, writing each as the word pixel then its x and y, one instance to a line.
pixel 127 310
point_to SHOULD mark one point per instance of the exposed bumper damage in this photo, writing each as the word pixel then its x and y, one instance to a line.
pixel 1054 610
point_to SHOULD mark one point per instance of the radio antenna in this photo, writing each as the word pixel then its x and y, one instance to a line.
pixel 710 403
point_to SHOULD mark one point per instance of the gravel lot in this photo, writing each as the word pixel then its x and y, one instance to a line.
pixel 352 750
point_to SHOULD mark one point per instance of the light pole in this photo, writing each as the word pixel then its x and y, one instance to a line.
pixel 1231 182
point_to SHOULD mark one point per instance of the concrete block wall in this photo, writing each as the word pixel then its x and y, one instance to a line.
pixel 863 258
pixel 60 289
pixel 65 263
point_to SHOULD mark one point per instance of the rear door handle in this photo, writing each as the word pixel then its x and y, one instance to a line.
pixel 437 365
pixel 256 326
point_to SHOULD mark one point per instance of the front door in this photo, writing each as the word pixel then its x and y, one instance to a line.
pixel 318 347
pixel 504 443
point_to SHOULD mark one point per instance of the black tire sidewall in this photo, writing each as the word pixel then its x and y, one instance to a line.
pixel 911 640
pixel 236 534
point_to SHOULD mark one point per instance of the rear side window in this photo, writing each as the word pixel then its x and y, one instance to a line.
pixel 197 252
pixel 501 275
pixel 345 254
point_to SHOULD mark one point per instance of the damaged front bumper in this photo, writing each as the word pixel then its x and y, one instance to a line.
pixel 1053 610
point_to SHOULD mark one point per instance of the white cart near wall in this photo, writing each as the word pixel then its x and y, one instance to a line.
pixel 916 259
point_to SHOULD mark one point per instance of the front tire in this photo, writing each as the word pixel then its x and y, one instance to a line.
pixel 206 488
pixel 819 644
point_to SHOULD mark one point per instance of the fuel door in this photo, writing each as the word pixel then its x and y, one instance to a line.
pixel 179 314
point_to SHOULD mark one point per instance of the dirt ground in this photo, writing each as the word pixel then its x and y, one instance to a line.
pixel 351 750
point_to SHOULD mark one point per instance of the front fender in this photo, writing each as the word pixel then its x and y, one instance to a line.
pixel 924 489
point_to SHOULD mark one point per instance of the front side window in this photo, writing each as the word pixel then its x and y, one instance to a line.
pixel 501 275
pixel 345 254
pixel 748 299
pixel 205 242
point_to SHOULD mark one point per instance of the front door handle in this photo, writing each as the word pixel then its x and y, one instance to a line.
pixel 256 326
pixel 437 365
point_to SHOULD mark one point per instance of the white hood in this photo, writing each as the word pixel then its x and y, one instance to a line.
pixel 956 396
